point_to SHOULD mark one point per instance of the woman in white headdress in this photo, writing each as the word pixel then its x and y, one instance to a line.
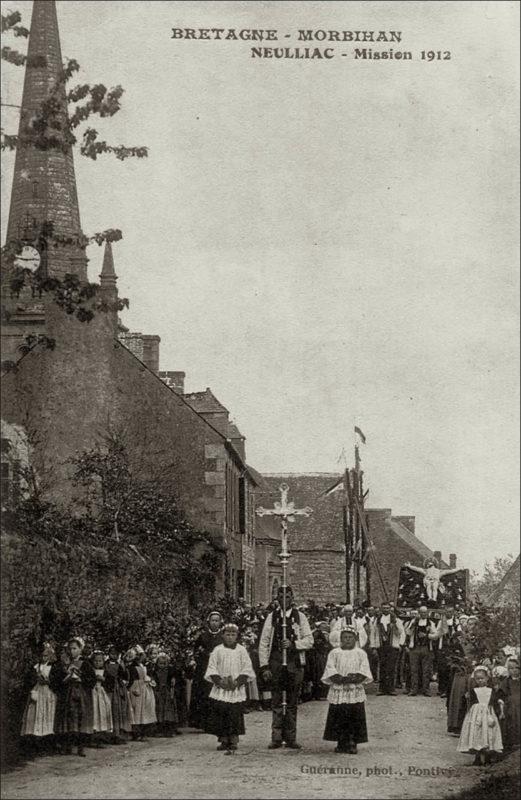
pixel 38 719
pixel 74 722
pixel 209 638
pixel 141 694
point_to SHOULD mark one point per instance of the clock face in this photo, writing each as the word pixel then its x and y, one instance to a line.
pixel 29 258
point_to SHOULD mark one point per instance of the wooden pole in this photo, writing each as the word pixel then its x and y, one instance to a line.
pixel 347 516
pixel 368 540
pixel 284 556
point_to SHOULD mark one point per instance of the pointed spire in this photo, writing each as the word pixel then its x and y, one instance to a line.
pixel 44 182
pixel 108 273
pixel 109 289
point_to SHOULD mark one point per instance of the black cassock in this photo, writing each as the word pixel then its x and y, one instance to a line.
pixel 199 707
pixel 316 663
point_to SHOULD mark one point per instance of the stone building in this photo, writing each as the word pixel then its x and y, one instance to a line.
pixel 317 567
pixel 239 490
pixel 99 378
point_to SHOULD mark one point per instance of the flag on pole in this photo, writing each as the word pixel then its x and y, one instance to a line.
pixel 359 432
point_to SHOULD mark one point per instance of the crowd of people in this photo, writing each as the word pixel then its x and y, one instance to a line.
pixel 81 695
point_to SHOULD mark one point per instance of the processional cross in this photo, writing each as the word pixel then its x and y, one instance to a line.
pixel 286 512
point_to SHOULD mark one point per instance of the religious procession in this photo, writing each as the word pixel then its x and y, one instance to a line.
pixel 271 659
pixel 255 542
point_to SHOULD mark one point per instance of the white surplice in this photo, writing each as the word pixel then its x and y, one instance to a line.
pixel 346 662
pixel 229 662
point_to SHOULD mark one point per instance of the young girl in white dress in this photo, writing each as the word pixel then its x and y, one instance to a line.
pixel 480 732
pixel 38 718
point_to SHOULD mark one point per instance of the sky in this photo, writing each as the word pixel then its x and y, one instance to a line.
pixel 324 243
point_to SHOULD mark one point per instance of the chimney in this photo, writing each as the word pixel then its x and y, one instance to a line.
pixel 452 560
pixel 151 351
pixel 437 555
pixel 175 380
pixel 133 341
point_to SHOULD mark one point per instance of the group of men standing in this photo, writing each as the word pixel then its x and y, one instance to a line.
pixel 386 637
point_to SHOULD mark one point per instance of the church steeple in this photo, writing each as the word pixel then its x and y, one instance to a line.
pixel 44 182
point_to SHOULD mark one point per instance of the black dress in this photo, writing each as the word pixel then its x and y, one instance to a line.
pixel 316 661
pixel 201 689
pixel 509 693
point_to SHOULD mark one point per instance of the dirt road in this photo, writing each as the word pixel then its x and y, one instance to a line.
pixel 409 755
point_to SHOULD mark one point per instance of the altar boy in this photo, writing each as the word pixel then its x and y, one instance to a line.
pixel 347 670
pixel 229 669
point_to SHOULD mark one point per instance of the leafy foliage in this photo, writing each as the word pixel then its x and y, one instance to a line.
pixel 494 629
pixel 483 584
pixel 64 572
pixel 50 127
pixel 490 632
pixel 11 22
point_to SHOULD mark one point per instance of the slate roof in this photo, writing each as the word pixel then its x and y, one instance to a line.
pixel 412 540
pixel 204 402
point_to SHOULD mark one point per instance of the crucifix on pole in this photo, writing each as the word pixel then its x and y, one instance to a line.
pixel 285 511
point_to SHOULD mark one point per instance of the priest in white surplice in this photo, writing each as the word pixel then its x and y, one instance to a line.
pixel 348 620
pixel 347 670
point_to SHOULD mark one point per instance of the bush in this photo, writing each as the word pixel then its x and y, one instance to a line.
pixel 65 575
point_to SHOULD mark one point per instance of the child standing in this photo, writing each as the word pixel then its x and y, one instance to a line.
pixel 76 711
pixel 38 718
pixel 509 693
pixel 229 670
pixel 152 652
pixel 102 706
pixel 141 695
pixel 480 732
pixel 163 675
pixel 116 682
pixel 347 669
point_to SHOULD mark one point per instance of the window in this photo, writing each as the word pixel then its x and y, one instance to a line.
pixel 240 584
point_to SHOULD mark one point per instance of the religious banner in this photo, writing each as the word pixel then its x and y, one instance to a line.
pixel 431 586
